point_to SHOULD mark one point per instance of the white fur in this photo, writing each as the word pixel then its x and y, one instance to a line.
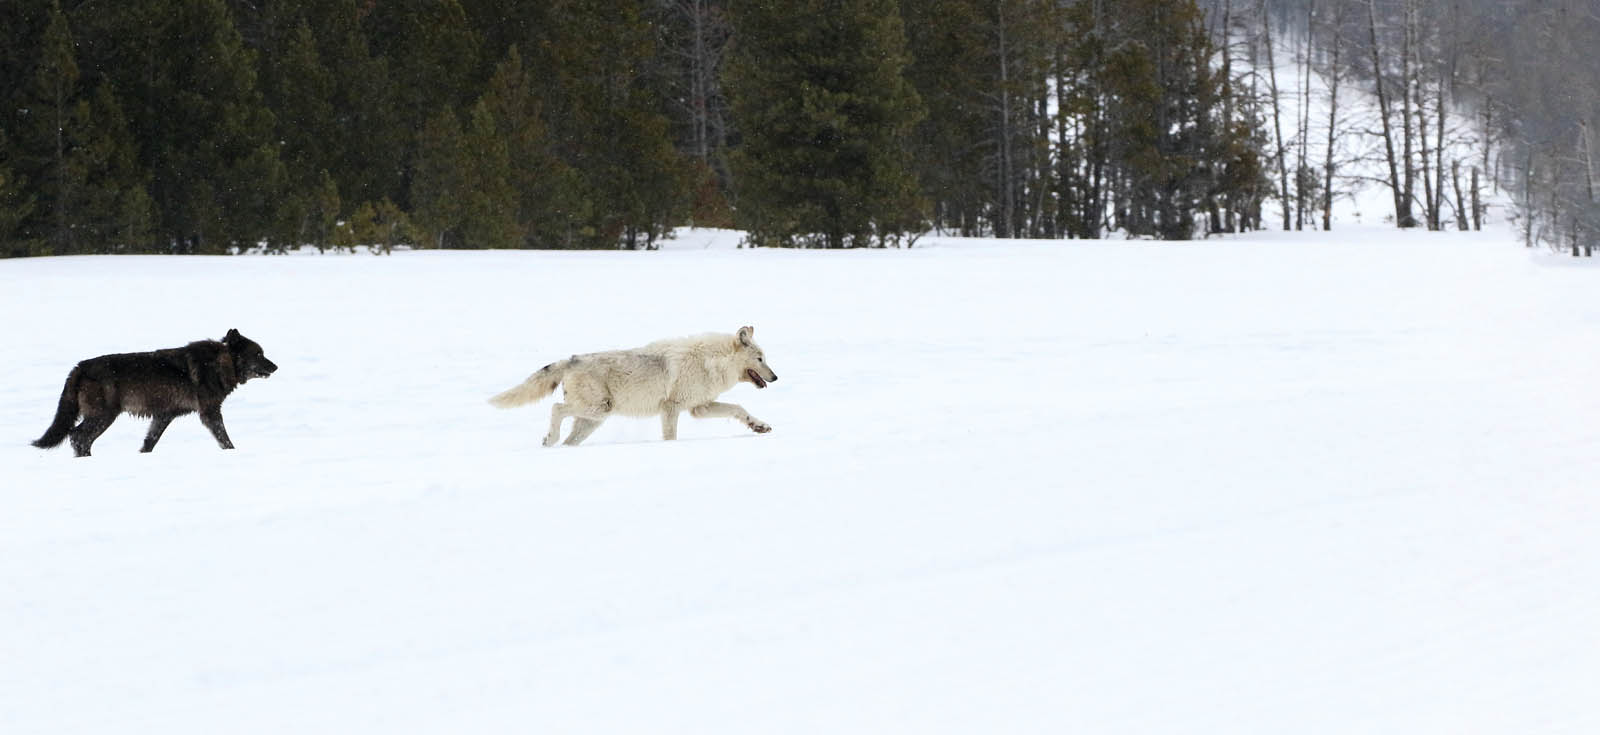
pixel 663 378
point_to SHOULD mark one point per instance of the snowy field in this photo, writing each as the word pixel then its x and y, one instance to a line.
pixel 1279 484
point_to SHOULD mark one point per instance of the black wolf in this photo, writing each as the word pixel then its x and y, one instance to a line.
pixel 161 385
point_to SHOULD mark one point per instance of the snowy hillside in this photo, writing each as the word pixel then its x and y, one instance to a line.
pixel 1278 484
pixel 1360 184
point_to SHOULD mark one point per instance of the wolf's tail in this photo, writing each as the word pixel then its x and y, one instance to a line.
pixel 535 388
pixel 66 413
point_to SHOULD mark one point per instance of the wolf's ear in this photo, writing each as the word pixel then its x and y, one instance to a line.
pixel 232 334
pixel 746 334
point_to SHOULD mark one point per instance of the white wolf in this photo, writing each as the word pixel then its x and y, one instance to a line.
pixel 662 379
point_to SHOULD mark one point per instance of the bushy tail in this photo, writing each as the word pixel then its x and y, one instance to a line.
pixel 535 388
pixel 66 413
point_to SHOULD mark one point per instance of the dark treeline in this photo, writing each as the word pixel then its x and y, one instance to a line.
pixel 207 126
pixel 1070 119
pixel 200 126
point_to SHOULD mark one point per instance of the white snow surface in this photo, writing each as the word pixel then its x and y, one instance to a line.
pixel 1283 483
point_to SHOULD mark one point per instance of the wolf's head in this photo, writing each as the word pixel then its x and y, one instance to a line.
pixel 249 361
pixel 754 362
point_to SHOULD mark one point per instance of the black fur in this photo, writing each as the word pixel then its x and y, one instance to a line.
pixel 160 385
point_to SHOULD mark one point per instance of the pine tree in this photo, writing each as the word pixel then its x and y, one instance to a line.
pixel 490 213
pixel 22 24
pixel 15 206
pixel 53 105
pixel 341 100
pixel 948 73
pixel 1016 61
pixel 826 115
pixel 1085 172
pixel 1170 145
pixel 431 56
pixel 380 227
pixel 189 88
pixel 495 183
pixel 439 182
pixel 298 87
pixel 543 188
pixel 502 24
pixel 116 213
pixel 81 156
pixel 607 116
pixel 694 44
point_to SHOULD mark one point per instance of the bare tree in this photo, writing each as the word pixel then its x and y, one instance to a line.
pixel 1408 81
pixel 1335 47
pixel 1477 206
pixel 1305 180
pixel 1430 211
pixel 698 45
pixel 1006 166
pixel 1461 202
pixel 1402 203
pixel 1277 117
pixel 1226 47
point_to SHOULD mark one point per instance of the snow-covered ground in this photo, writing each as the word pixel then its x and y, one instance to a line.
pixel 1280 484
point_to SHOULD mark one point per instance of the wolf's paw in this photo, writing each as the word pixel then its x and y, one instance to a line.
pixel 551 439
pixel 758 426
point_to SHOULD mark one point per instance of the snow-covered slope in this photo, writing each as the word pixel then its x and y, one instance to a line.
pixel 1308 484
pixel 1361 192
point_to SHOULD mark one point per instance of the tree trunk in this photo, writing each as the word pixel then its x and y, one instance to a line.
pixel 1042 223
pixel 1527 201
pixel 1407 138
pixel 1227 224
pixel 1277 124
pixel 1477 207
pixel 1430 214
pixel 1005 223
pixel 1097 197
pixel 1300 175
pixel 1402 209
pixel 1333 117
pixel 1488 121
pixel 1063 218
pixel 1587 151
pixel 698 82
pixel 1438 151
pixel 1432 175
pixel 1461 202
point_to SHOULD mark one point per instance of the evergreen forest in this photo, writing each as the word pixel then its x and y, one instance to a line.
pixel 219 126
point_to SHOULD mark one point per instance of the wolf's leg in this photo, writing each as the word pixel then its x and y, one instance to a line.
pixel 579 415
pixel 669 423
pixel 557 413
pixel 157 425
pixel 734 411
pixel 582 427
pixel 84 434
pixel 212 418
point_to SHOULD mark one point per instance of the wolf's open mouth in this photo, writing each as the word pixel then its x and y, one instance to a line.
pixel 755 378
